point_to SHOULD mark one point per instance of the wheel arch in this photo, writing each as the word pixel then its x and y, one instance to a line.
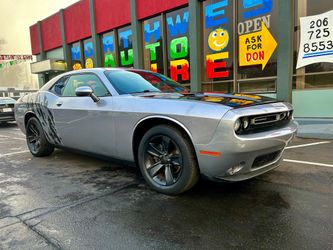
pixel 147 123
pixel 27 116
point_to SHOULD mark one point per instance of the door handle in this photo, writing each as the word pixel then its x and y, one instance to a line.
pixel 59 104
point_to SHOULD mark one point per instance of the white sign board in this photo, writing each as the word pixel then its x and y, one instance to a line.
pixel 316 39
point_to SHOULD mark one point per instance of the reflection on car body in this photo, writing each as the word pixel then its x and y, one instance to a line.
pixel 173 135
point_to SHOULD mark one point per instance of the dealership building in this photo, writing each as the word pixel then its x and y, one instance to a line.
pixel 247 46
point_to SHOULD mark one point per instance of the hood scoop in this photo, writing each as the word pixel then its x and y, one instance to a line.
pixel 231 100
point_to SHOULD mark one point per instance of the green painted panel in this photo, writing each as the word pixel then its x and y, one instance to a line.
pixel 183 42
pixel 313 103
pixel 152 48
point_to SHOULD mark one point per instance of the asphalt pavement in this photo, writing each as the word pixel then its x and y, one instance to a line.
pixel 71 201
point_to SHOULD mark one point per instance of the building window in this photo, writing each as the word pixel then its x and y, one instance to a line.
pixel 88 53
pixel 317 75
pixel 153 44
pixel 251 15
pixel 223 49
pixel 110 58
pixel 178 45
pixel 55 54
pixel 125 43
pixel 76 56
pixel 218 43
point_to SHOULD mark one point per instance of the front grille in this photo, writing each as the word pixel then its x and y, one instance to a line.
pixel 260 123
pixel 6 105
pixel 266 159
pixel 265 119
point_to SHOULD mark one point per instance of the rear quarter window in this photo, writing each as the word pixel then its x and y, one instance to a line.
pixel 59 86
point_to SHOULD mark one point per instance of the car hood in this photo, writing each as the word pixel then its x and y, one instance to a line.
pixel 4 101
pixel 231 100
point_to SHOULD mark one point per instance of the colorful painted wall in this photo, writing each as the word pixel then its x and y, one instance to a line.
pixel 165 35
pixel 239 41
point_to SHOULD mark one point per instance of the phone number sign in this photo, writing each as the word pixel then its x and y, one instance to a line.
pixel 316 39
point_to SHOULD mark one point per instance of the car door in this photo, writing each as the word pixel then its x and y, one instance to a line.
pixel 80 122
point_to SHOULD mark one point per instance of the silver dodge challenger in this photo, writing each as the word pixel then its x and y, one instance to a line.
pixel 153 122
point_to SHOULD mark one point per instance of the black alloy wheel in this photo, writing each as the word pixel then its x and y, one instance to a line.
pixel 167 161
pixel 36 140
pixel 163 160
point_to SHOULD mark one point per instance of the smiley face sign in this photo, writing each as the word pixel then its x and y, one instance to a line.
pixel 218 39
pixel 89 63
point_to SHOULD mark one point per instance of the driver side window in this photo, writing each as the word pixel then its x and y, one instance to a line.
pixel 90 80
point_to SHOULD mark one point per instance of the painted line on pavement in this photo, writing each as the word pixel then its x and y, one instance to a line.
pixel 15 138
pixel 14 153
pixel 309 163
pixel 308 144
pixel 14 133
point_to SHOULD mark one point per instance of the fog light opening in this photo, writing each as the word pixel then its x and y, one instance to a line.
pixel 283 115
pixel 235 169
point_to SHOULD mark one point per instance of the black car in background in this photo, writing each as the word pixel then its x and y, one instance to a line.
pixel 7 109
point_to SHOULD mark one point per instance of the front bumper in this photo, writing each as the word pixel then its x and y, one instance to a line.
pixel 243 156
pixel 7 116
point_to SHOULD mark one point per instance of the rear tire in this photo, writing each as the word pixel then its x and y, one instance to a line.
pixel 167 160
pixel 36 140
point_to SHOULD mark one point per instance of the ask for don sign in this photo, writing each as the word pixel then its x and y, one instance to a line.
pixel 316 39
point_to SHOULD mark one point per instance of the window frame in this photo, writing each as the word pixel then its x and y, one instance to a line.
pixel 163 44
pixel 167 42
pixel 120 48
pixel 81 61
pixel 300 76
pixel 75 74
pixel 114 34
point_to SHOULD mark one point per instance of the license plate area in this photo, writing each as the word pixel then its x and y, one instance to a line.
pixel 7 110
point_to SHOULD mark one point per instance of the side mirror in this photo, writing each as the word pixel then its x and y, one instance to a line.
pixel 86 91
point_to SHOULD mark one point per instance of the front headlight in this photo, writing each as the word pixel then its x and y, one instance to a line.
pixel 237 125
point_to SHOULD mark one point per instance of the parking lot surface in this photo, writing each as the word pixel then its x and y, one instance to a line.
pixel 71 201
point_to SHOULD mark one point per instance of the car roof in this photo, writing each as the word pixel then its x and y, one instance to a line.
pixel 99 69
pixel 6 97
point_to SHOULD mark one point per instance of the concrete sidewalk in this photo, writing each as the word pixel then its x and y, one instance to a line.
pixel 315 128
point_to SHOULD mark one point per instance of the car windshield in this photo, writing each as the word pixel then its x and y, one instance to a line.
pixel 7 101
pixel 136 81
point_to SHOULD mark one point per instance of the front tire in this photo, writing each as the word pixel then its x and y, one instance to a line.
pixel 167 160
pixel 36 140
